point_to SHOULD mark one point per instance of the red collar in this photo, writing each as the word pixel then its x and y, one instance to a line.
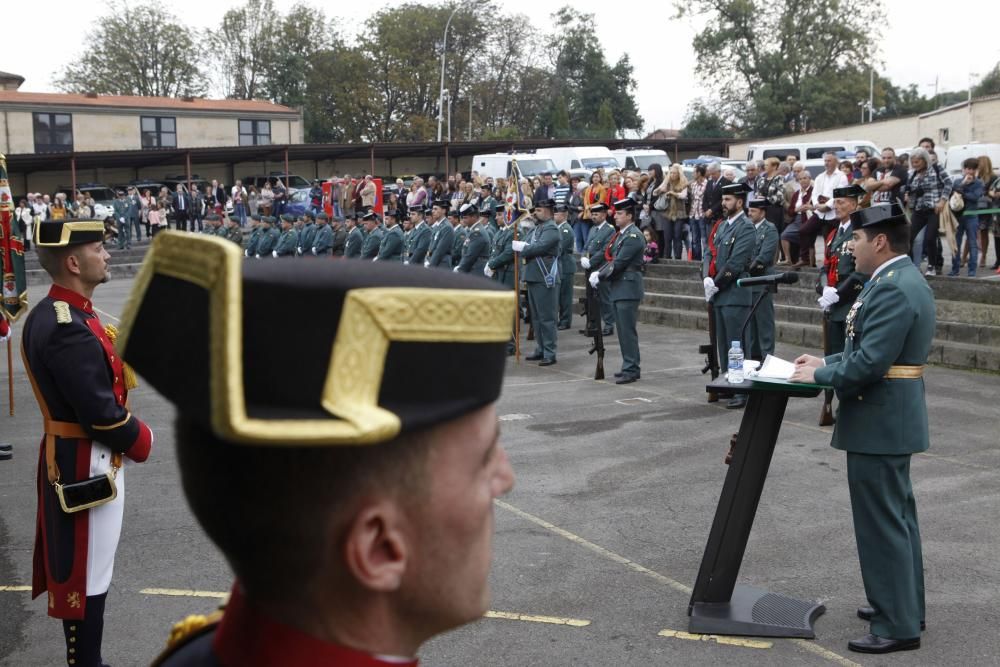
pixel 248 638
pixel 78 301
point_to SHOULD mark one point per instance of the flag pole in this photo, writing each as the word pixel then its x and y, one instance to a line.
pixel 517 294
pixel 10 374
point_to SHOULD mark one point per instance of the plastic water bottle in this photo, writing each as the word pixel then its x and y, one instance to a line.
pixel 735 374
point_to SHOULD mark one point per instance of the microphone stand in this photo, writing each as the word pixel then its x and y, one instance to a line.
pixel 768 287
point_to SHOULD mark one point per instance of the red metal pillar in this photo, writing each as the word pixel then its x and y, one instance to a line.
pixel 72 169
pixel 286 167
pixel 371 158
pixel 187 161
pixel 447 162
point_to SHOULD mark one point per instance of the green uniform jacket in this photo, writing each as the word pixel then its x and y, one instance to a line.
pixel 734 243
pixel 369 249
pixel 355 239
pixel 487 207
pixel 287 243
pixel 597 243
pixel 501 259
pixel 849 281
pixel 307 238
pixel 765 248
pixel 458 242
pixel 268 240
pixel 567 262
pixel 323 241
pixel 391 247
pixel 626 274
pixel 544 247
pixel 221 232
pixel 255 235
pixel 340 242
pixel 439 252
pixel 235 234
pixel 891 323
pixel 420 242
pixel 475 249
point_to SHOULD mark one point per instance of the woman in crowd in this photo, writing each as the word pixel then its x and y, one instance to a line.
pixel 145 200
pixel 656 202
pixel 527 192
pixel 773 190
pixel 156 218
pixel 800 209
pixel 82 210
pixel 616 190
pixel 847 167
pixel 417 196
pixel 581 226
pixel 594 193
pixel 57 210
pixel 536 183
pixel 675 216
pixel 868 168
pixel 985 220
pixel 696 188
pixel 26 216
pixel 993 193
pixel 651 255
pixel 253 200
pixel 280 197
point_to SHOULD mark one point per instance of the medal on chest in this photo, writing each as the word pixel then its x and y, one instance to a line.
pixel 851 317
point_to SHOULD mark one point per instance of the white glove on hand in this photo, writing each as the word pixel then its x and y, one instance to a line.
pixel 708 282
pixel 455 270
pixel 256 256
pixel 585 262
pixel 518 246
pixel 274 253
pixel 299 250
pixel 121 220
pixel 314 250
pixel 246 253
pixel 427 264
pixel 487 271
pixel 594 278
pixel 829 297
pixel 406 262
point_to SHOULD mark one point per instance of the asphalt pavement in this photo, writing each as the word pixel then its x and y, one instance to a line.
pixel 600 541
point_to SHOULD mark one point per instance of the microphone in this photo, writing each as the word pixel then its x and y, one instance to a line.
pixel 789 278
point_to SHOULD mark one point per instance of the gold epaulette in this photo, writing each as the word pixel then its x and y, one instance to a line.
pixel 62 312
pixel 186 631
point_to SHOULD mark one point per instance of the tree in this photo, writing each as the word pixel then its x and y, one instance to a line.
pixel 246 49
pixel 770 80
pixel 702 123
pixel 303 34
pixel 141 50
pixel 989 84
pixel 605 125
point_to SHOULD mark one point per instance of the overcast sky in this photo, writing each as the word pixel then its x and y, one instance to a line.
pixel 644 29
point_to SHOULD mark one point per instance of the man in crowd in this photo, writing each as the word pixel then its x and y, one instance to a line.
pixel 391 245
pixel 547 190
pixel 476 248
pixel 373 235
pixel 540 253
pixel 882 422
pixel 256 229
pixel 407 495
pixel 306 235
pixel 822 199
pixel 182 208
pixel 594 257
pixel 887 185
pixel 419 240
pixel 562 190
pixel 268 237
pixel 234 232
pixel 442 236
pixel 355 237
pixel 323 240
pixel 239 197
pixel 82 391
pixel 765 251
pixel 133 215
pixel 712 199
pixel 288 241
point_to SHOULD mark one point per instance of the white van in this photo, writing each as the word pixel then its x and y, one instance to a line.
pixel 496 165
pixel 581 160
pixel 958 154
pixel 812 150
pixel 639 159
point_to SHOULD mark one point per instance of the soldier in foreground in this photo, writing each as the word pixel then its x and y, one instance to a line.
pixel 882 422
pixel 394 546
pixel 476 248
pixel 595 256
pixel 567 266
pixel 541 274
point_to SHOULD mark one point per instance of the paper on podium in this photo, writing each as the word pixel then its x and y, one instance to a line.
pixel 777 371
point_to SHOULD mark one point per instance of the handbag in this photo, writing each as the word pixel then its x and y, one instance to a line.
pixel 662 203
pixel 88 493
pixel 956 202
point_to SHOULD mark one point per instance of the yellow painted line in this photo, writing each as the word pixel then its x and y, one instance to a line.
pixel 531 618
pixel 109 315
pixel 184 593
pixel 16 589
pixel 958 462
pixel 610 555
pixel 812 647
pixel 718 639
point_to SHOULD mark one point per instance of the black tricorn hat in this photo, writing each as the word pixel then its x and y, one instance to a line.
pixel 853 190
pixel 58 234
pixel 546 203
pixel 878 216
pixel 627 204
pixel 758 203
pixel 469 210
pixel 736 189
pixel 442 203
pixel 398 344
pixel 598 207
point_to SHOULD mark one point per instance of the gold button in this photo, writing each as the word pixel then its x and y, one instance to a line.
pixel 72 628
pixel 72 639
pixel 72 650
pixel 861 398
pixel 72 661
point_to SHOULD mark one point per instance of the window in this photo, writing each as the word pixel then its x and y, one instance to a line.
pixel 943 135
pixel 158 132
pixel 53 132
pixel 781 153
pixel 817 153
pixel 255 132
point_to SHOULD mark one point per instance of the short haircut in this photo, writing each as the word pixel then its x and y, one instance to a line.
pixel 928 140
pixel 891 150
pixel 970 163
pixel 278 513
pixel 898 236
pixel 52 259
pixel 831 154
pixel 772 161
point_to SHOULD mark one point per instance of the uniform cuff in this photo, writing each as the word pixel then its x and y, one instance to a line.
pixel 139 450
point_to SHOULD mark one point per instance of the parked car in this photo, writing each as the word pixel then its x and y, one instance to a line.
pixel 639 159
pixel 495 165
pixel 811 150
pixel 958 154
pixel 102 195
pixel 292 182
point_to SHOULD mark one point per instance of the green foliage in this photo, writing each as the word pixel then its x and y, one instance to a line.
pixel 702 123
pixel 605 119
pixel 245 48
pixel 136 50
pixel 989 84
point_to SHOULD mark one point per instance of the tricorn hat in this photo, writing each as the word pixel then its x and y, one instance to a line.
pixel 757 203
pixel 854 190
pixel 397 344
pixel 736 189
pixel 57 233
pixel 878 216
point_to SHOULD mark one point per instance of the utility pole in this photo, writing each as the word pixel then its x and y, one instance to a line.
pixel 470 117
pixel 871 94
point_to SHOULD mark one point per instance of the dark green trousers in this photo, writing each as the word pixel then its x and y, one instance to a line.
pixel 888 536
pixel 566 300
pixel 607 309
pixel 728 323
pixel 626 317
pixel 543 302
pixel 762 328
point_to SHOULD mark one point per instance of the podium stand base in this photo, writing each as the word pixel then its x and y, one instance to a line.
pixel 756 613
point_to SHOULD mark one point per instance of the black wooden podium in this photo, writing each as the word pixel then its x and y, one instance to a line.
pixel 718 604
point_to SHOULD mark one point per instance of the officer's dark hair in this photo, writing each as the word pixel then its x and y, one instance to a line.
pixel 897 236
pixel 279 513
pixel 51 259
pixel 928 140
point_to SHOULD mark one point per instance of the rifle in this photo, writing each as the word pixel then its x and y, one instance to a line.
pixel 594 327
pixel 526 313
pixel 826 412
pixel 711 352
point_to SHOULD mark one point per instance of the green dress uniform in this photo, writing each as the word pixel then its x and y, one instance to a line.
pixel 567 269
pixel 418 242
pixel 541 258
pixel 268 241
pixel 251 247
pixel 287 244
pixel 235 234
pixel 475 249
pixel 355 239
pixel 372 242
pixel 600 236
pixel 439 251
pixel 625 277
pixel 764 252
pixel 488 207
pixel 501 260
pixel 307 238
pixel 323 241
pixel 734 244
pixel 391 247
pixel 339 248
pixel 457 243
pixel 847 280
pixel 221 231
pixel 881 421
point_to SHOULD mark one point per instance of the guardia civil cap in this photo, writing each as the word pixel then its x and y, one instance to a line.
pixel 392 212
pixel 599 207
pixel 736 189
pixel 546 203
pixel 306 215
pixel 469 210
pixel 853 190
pixel 394 345
pixel 322 216
pixel 287 217
pixel 58 233
pixel 499 206
pixel 627 204
pixel 367 214
pixel 269 219
pixel 441 203
pixel 561 208
pixel 256 217
pixel 757 203
pixel 878 216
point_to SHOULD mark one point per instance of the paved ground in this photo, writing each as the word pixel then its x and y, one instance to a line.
pixel 615 495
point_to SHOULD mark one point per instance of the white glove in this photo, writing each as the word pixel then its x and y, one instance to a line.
pixel 710 289
pixel 455 270
pixel 314 250
pixel 374 259
pixel 594 278
pixel 121 220
pixel 829 297
pixel 246 253
pixel 274 253
pixel 406 262
pixel 518 246
pixel 299 250
pixel 427 264
pixel 256 256
pixel 708 282
pixel 585 262
pixel 487 271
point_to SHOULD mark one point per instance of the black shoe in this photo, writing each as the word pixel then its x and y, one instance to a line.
pixel 608 332
pixel 6 447
pixel 510 353
pixel 534 357
pixel 875 644
pixel 547 362
pixel 562 327
pixel 866 614
pixel 737 402
pixel 618 375
pixel 626 379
